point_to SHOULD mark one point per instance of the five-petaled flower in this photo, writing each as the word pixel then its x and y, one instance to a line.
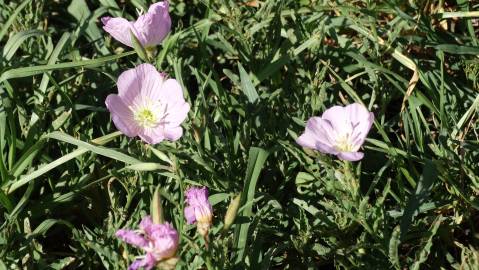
pixel 199 209
pixel 148 105
pixel 339 131
pixel 159 241
pixel 150 28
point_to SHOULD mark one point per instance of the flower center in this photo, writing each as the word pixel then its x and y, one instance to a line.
pixel 148 114
pixel 145 118
pixel 343 143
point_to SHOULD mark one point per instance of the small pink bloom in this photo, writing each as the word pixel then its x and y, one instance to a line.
pixel 159 241
pixel 148 105
pixel 198 209
pixel 150 28
pixel 339 131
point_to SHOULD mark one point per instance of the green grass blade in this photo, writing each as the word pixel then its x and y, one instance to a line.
pixel 30 71
pixel 12 18
pixel 256 160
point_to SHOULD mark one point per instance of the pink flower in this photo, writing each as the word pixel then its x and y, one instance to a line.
pixel 199 209
pixel 159 241
pixel 339 131
pixel 150 28
pixel 148 105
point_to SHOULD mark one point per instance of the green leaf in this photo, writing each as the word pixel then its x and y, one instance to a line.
pixel 246 85
pixel 423 189
pixel 12 18
pixel 16 40
pixel 140 51
pixel 30 71
pixel 256 159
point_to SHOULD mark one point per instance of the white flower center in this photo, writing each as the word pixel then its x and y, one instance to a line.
pixel 343 143
pixel 148 113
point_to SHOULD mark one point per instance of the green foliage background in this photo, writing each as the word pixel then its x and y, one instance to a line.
pixel 253 72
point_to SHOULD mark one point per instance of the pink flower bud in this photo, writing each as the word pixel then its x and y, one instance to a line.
pixel 150 28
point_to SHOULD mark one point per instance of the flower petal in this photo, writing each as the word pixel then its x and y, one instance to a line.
pixel 152 135
pixel 150 80
pixel 171 92
pixel 317 135
pixel 119 29
pixel 148 262
pixel 177 114
pixel 339 120
pixel 121 115
pixel 190 214
pixel 351 156
pixel 154 25
pixel 173 134
pixel 146 225
pixel 361 120
pixel 129 85
pixel 132 238
pixel 165 240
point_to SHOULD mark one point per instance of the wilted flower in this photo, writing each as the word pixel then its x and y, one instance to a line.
pixel 159 241
pixel 199 209
pixel 339 131
pixel 150 28
pixel 148 105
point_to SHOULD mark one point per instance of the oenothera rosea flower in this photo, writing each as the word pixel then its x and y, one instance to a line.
pixel 159 241
pixel 339 131
pixel 148 105
pixel 199 209
pixel 150 28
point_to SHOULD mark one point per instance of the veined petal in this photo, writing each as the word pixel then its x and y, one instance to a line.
pixel 361 120
pixel 121 115
pixel 171 92
pixel 317 136
pixel 152 135
pixel 132 238
pixel 119 28
pixel 148 262
pixel 151 81
pixel 129 85
pixel 339 120
pixel 176 114
pixel 173 134
pixel 190 214
pixel 351 156
pixel 154 25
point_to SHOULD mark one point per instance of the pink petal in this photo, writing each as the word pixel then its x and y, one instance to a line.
pixel 339 119
pixel 146 224
pixel 121 115
pixel 129 85
pixel 119 29
pixel 165 240
pixel 177 114
pixel 151 81
pixel 154 25
pixel 173 134
pixel 171 92
pixel 351 156
pixel 361 120
pixel 132 238
pixel 190 214
pixel 152 135
pixel 147 263
pixel 317 135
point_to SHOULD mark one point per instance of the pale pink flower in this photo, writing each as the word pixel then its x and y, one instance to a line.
pixel 150 28
pixel 339 131
pixel 148 105
pixel 159 241
pixel 199 209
